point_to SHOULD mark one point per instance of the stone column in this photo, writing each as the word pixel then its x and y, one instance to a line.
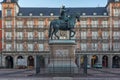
pixel 46 61
pixel 110 61
pixel 3 61
pixel 15 61
pixel 89 59
pixel 100 59
pixel 78 61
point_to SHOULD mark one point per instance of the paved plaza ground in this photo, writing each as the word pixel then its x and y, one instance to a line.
pixel 27 74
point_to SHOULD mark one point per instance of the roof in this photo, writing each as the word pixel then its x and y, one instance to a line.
pixel 0 14
pixel 110 1
pixel 56 11
pixel 12 1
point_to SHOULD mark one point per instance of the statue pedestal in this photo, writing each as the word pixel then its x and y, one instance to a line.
pixel 62 58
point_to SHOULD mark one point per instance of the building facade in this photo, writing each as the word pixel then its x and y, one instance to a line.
pixel 25 34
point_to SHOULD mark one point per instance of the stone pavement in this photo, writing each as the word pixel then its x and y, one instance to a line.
pixel 25 74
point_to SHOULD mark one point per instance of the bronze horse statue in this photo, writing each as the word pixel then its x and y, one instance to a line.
pixel 59 24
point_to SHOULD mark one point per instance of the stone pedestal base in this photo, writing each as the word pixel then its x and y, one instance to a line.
pixel 62 56
pixel 62 66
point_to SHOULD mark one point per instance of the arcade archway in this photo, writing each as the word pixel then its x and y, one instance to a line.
pixel 42 62
pixel 9 62
pixel 105 61
pixel 30 62
pixel 94 60
pixel 116 62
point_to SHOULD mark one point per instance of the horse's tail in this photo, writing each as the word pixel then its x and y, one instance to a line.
pixel 50 30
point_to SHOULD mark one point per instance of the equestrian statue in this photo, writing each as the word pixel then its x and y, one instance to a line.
pixel 64 23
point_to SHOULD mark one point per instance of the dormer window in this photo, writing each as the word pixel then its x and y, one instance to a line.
pixel 8 1
pixel 41 14
pixel 9 12
pixel 30 14
pixel 116 0
pixel 105 14
pixel 51 14
pixel 20 14
pixel 94 13
pixel 83 13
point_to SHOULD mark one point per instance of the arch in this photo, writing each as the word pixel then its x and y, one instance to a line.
pixel 116 61
pixel 105 61
pixel 9 62
pixel 20 57
pixel 42 61
pixel 30 61
pixel 94 60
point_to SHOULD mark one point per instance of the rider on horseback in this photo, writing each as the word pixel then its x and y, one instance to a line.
pixel 63 16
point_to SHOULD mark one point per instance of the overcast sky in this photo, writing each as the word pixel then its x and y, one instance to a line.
pixel 59 3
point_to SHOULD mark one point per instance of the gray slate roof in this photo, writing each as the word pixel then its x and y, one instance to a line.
pixel 56 11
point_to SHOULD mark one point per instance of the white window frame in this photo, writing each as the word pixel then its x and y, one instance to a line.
pixel 19 47
pixel 8 24
pixel 83 35
pixel 40 24
pixel 41 35
pixel 9 35
pixel 83 23
pixel 94 35
pixel 19 24
pixel 105 47
pixel 83 46
pixel 116 23
pixel 105 34
pixel 20 35
pixel 30 24
pixel 94 23
pixel 41 47
pixel 30 35
pixel 8 47
pixel 105 24
pixel 30 47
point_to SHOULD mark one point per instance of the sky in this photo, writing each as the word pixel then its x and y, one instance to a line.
pixel 59 3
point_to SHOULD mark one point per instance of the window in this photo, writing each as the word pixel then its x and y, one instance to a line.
pixel 116 0
pixel 83 46
pixel 30 47
pixel 8 0
pixel 30 35
pixel 19 47
pixel 19 24
pixel 8 24
pixel 83 23
pixel 94 23
pixel 40 24
pixel 19 35
pixel 116 12
pixel 116 35
pixel 30 24
pixel 105 23
pixel 105 46
pixel 116 23
pixel 94 46
pixel 105 35
pixel 41 47
pixel 8 47
pixel 9 12
pixel 41 35
pixel 94 35
pixel 8 35
pixel 83 35
pixel 116 46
